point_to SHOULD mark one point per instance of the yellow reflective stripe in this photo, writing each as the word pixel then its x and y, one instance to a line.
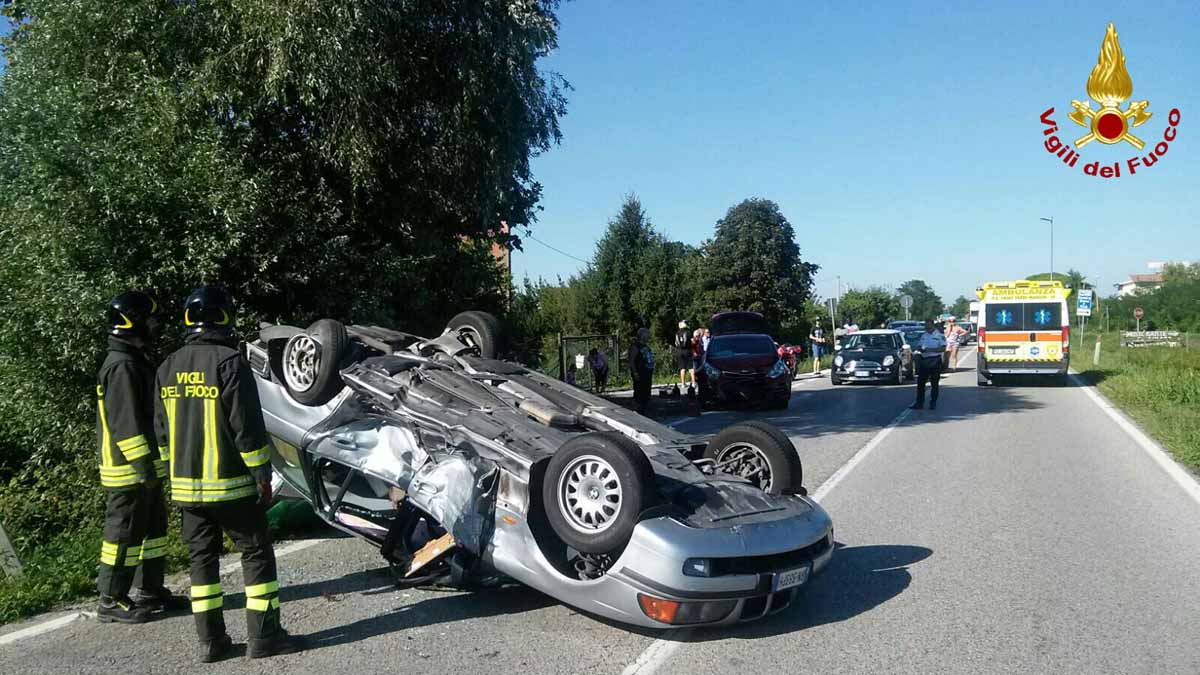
pixel 208 604
pixel 193 484
pixel 107 559
pixel 207 497
pixel 160 468
pixel 259 590
pixel 119 482
pixel 157 541
pixel 257 457
pixel 275 603
pixel 136 452
pixel 210 439
pixel 156 553
pixel 118 470
pixel 258 604
pixel 205 589
pixel 132 442
pixel 109 546
pixel 169 405
pixel 105 437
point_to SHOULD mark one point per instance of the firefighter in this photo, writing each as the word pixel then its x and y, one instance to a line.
pixel 131 469
pixel 209 419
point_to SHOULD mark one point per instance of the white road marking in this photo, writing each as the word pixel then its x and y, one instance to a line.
pixel 962 358
pixel 65 620
pixel 664 647
pixel 40 628
pixel 1147 444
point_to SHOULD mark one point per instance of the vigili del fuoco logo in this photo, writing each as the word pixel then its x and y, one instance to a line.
pixel 1109 86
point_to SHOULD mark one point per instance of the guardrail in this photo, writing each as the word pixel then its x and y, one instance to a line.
pixel 1153 338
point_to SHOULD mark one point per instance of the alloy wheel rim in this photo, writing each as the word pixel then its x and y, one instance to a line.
pixel 302 359
pixel 590 494
pixel 748 461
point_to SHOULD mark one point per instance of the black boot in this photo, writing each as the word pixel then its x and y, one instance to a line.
pixel 120 610
pixel 160 601
pixel 275 645
pixel 212 651
pixel 933 405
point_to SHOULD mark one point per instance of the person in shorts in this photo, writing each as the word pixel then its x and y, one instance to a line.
pixel 816 340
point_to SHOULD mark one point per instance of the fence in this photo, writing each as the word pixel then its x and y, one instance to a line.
pixel 573 366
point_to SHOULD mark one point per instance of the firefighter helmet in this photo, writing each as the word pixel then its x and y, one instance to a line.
pixel 133 314
pixel 208 308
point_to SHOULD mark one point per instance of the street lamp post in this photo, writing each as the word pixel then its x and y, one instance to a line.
pixel 1051 221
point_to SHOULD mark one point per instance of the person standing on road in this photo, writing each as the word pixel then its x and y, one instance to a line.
pixel 929 368
pixel 697 352
pixel 131 469
pixel 816 340
pixel 683 355
pixel 707 339
pixel 210 419
pixel 641 369
pixel 599 366
pixel 954 335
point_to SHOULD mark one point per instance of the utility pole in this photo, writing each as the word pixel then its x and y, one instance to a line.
pixel 1051 221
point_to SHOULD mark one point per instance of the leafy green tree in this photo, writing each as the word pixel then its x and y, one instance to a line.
pixel 869 308
pixel 348 159
pixel 613 276
pixel 753 263
pixel 1072 278
pixel 961 306
pixel 926 304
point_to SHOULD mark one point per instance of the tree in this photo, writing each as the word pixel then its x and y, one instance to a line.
pixel 349 159
pixel 613 275
pixel 753 263
pixel 868 308
pixel 926 304
pixel 1073 279
pixel 961 306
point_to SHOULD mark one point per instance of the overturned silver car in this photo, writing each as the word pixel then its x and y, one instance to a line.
pixel 466 467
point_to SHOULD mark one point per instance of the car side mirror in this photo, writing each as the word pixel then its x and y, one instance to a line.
pixel 837 348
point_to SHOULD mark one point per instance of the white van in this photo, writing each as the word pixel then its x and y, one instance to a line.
pixel 1024 329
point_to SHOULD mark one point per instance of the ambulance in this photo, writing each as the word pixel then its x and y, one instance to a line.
pixel 1024 329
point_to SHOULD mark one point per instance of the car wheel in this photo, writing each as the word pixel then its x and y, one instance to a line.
pixel 312 359
pixel 596 487
pixel 478 329
pixel 899 376
pixel 760 453
pixel 833 379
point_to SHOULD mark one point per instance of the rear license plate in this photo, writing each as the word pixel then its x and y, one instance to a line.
pixel 862 373
pixel 1004 350
pixel 790 578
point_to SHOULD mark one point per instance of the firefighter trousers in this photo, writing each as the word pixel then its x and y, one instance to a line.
pixel 245 521
pixel 135 542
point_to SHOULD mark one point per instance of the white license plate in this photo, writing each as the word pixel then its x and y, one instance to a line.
pixel 862 373
pixel 1004 350
pixel 790 578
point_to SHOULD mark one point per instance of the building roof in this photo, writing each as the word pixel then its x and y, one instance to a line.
pixel 1145 278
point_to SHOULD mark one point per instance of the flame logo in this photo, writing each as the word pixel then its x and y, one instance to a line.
pixel 1109 85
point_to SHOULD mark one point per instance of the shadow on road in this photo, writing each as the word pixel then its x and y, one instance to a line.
pixel 858 579
pixel 451 607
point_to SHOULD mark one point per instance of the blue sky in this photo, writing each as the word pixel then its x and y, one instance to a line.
pixel 901 141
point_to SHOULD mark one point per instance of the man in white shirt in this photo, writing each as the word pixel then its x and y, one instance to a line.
pixel 929 366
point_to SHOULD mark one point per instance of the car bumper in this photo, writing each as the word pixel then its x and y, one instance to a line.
pixel 1023 368
pixel 753 391
pixel 652 566
pixel 880 375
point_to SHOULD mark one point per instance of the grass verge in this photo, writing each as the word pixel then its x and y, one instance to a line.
pixel 1159 387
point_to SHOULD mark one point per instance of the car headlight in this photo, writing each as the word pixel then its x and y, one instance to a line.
pixel 779 369
pixel 889 360
pixel 837 361
pixel 698 567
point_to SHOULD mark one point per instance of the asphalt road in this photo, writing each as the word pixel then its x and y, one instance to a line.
pixel 1013 530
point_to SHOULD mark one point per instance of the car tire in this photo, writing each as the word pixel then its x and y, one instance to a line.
pixel 480 330
pixel 899 378
pixel 764 446
pixel 312 362
pixel 620 474
pixel 780 403
pixel 834 381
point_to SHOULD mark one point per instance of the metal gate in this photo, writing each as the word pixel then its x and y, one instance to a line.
pixel 574 365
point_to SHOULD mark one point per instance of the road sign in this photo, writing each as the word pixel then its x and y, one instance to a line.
pixel 1138 313
pixel 906 301
pixel 1083 305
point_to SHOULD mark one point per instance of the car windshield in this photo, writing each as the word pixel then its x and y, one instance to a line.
pixel 873 341
pixel 729 346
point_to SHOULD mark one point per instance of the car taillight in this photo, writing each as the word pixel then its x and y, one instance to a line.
pixel 982 337
pixel 1066 339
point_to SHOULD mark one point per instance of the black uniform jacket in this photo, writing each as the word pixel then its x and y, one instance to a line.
pixel 210 421
pixel 125 418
